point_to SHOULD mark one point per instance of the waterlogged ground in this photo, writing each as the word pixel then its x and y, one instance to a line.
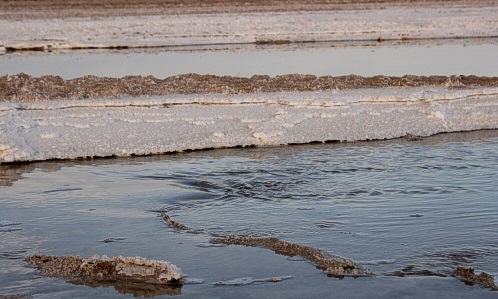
pixel 412 208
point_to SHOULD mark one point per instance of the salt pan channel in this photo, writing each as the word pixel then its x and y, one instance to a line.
pixel 66 129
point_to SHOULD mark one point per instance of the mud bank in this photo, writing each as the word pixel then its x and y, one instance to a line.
pixel 23 88
pixel 92 8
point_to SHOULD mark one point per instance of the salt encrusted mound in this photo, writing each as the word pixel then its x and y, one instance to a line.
pixel 332 265
pixel 97 269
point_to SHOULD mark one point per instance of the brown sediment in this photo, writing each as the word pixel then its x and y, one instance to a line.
pixel 172 223
pixel 332 265
pixel 15 9
pixel 24 88
pixel 468 276
pixel 127 274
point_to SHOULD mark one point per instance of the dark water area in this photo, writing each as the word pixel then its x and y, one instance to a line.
pixel 399 207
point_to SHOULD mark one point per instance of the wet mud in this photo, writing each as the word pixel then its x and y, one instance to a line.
pixel 25 88
pixel 468 276
pixel 332 265
pixel 335 266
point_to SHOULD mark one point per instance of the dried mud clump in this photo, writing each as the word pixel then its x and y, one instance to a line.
pixel 134 275
pixel 331 265
pixel 23 88
pixel 468 276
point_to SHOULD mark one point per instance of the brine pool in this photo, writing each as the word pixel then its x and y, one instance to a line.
pixel 399 207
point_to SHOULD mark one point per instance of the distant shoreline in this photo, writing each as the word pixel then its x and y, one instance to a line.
pixel 43 9
pixel 59 26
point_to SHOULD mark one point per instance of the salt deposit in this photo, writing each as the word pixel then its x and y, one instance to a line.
pixel 103 268
pixel 396 23
pixel 67 129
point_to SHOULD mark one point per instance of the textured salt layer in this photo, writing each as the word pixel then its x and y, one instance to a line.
pixel 66 129
pixel 8 223
pixel 103 268
pixel 58 30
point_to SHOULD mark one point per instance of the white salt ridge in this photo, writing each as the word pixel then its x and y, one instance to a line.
pixel 66 129
pixel 377 262
pixel 9 223
pixel 192 280
pixel 139 267
pixel 249 280
pixel 399 23
pixel 6 226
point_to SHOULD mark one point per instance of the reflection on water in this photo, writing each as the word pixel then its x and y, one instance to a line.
pixel 400 207
pixel 453 57
pixel 135 289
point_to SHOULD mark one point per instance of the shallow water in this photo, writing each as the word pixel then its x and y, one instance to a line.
pixel 417 208
pixel 457 57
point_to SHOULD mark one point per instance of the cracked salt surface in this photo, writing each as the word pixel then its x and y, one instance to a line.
pixel 69 129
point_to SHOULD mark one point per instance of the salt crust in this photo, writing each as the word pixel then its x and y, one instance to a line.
pixel 395 23
pixel 41 130
pixel 106 268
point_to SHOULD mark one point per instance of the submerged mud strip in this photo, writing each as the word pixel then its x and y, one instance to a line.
pixel 24 88
pixel 132 275
pixel 332 265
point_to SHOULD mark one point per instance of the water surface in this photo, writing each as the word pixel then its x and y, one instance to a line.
pixel 465 57
pixel 412 208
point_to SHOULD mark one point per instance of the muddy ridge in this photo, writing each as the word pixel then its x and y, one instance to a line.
pixel 468 276
pixel 332 265
pixel 24 88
